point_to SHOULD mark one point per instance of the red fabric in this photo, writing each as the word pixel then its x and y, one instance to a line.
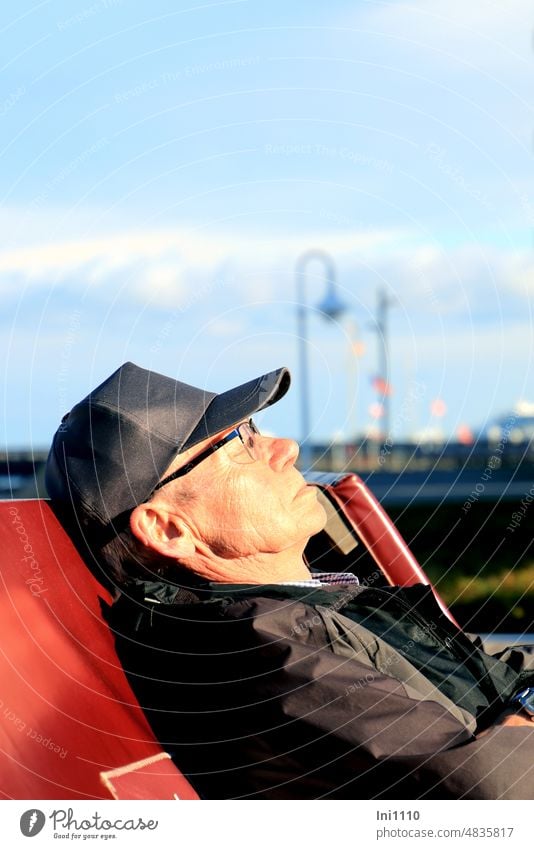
pixel 153 778
pixel 67 712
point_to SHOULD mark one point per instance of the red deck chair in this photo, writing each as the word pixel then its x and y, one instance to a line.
pixel 70 725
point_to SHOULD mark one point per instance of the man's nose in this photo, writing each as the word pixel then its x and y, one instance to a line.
pixel 283 453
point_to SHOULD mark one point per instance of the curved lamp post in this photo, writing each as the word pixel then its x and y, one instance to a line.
pixel 332 307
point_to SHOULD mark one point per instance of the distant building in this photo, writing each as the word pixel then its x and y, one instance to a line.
pixel 515 426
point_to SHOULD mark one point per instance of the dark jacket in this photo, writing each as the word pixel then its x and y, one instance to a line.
pixel 336 692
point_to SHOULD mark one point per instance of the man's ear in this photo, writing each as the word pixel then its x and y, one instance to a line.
pixel 162 531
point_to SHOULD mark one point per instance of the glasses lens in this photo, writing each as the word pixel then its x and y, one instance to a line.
pixel 249 433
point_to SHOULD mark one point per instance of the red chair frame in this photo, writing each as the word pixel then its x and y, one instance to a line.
pixel 377 532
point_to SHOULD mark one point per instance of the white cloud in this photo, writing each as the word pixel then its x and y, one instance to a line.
pixel 167 263
pixel 179 268
pixel 486 34
pixel 106 254
pixel 519 273
pixel 165 283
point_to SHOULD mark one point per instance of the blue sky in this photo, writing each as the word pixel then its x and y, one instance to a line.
pixel 164 165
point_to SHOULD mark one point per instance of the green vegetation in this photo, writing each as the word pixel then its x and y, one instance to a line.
pixel 499 601
pixel 483 571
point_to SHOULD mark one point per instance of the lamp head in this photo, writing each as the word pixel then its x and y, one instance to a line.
pixel 331 305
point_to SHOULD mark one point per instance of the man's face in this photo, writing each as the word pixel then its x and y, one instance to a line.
pixel 242 507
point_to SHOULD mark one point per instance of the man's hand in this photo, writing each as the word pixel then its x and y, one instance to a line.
pixel 509 717
pixel 516 719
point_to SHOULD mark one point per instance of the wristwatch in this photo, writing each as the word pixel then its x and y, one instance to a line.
pixel 525 700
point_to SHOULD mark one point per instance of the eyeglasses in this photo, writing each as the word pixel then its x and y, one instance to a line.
pixel 248 434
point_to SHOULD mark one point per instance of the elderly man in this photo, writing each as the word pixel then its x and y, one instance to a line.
pixel 263 679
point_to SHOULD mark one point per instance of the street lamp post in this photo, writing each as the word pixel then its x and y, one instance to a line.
pixel 384 303
pixel 332 307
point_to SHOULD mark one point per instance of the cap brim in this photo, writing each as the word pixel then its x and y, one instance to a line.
pixel 240 403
